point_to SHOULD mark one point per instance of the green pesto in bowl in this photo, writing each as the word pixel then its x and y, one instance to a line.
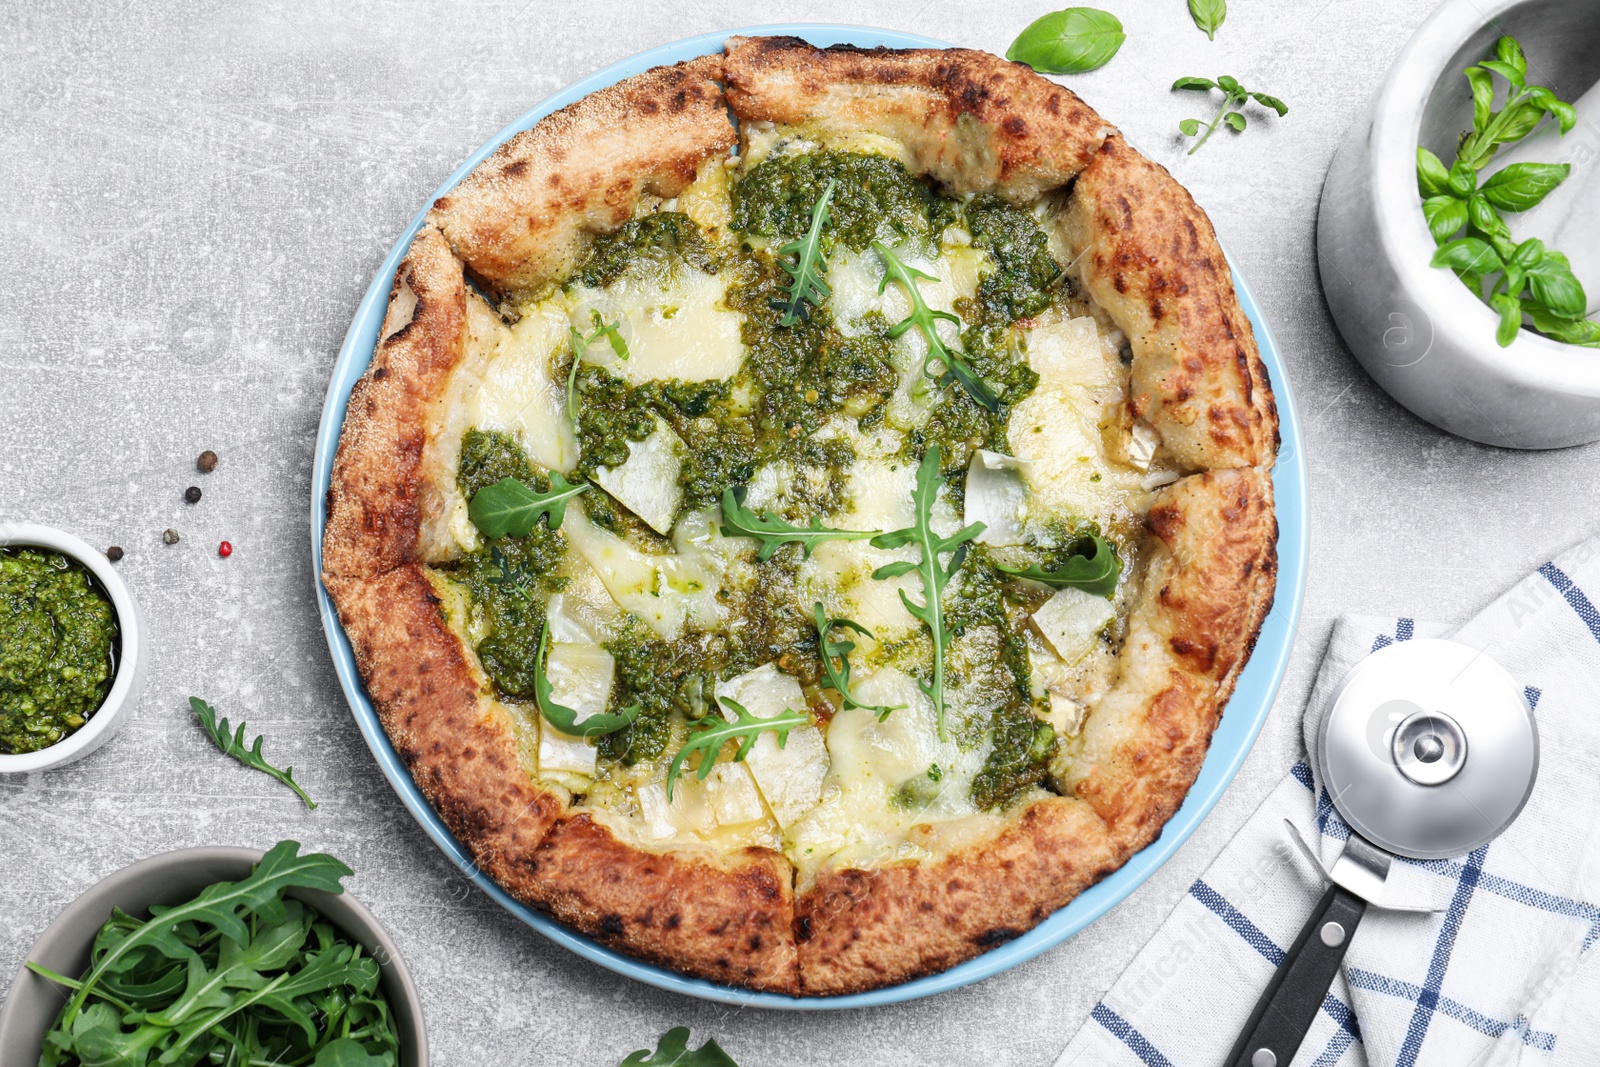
pixel 58 646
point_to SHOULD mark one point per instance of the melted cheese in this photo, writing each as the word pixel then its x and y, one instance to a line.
pixel 879 789
pixel 855 278
pixel 1057 429
pixel 663 589
pixel 675 326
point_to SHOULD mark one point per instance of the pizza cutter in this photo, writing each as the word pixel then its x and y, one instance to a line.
pixel 1428 750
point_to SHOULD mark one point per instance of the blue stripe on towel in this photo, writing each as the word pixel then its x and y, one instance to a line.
pixel 1574 596
pixel 1451 1008
pixel 1123 1031
pixel 1238 921
pixel 1428 999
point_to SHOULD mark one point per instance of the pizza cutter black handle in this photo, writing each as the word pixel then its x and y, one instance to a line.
pixel 1294 996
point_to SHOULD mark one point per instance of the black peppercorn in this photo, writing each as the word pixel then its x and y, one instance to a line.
pixel 207 462
pixel 170 536
pixel 114 553
pixel 192 494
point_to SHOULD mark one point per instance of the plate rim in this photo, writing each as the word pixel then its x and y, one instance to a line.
pixel 1244 714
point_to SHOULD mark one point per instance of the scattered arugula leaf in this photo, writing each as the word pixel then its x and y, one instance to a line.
pixel 708 737
pixel 1527 279
pixel 951 365
pixel 579 344
pixel 837 676
pixel 564 718
pixel 773 532
pixel 806 286
pixel 1075 40
pixel 673 1051
pixel 233 745
pixel 934 574
pixel 1095 573
pixel 1234 97
pixel 510 508
pixel 1208 15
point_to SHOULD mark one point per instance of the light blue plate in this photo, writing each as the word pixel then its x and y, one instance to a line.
pixel 1229 745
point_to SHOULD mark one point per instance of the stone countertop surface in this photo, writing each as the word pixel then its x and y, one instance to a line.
pixel 200 193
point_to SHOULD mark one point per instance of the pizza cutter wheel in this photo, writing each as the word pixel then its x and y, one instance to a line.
pixel 1428 750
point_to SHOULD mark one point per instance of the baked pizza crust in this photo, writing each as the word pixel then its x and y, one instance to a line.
pixel 1144 251
pixel 969 120
pixel 521 217
pixel 377 494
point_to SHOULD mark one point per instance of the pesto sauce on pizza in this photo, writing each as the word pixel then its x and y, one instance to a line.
pixel 804 399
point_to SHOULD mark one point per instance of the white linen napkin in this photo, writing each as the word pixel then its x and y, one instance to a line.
pixel 1506 974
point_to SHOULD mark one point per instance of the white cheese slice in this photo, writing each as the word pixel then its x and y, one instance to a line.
pixel 646 483
pixel 580 676
pixel 519 393
pixel 1142 444
pixel 997 496
pixel 663 590
pixel 566 624
pixel 726 800
pixel 676 325
pixel 1071 622
pixel 561 755
pixel 790 777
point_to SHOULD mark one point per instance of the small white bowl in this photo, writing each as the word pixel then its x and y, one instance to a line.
pixel 126 684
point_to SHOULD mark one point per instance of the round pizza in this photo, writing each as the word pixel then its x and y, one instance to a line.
pixel 807 510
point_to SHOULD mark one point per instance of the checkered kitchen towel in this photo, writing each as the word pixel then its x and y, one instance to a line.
pixel 1507 973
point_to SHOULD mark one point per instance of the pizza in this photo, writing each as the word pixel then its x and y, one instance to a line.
pixel 807 510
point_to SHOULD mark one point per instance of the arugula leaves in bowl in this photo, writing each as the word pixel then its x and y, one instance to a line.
pixel 242 973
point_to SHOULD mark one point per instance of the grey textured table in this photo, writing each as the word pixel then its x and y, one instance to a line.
pixel 198 195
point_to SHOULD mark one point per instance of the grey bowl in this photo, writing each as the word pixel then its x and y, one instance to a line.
pixel 1416 329
pixel 172 878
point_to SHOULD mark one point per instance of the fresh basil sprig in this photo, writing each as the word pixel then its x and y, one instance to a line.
pixel 1208 15
pixel 233 745
pixel 1234 97
pixel 509 508
pixel 1094 573
pixel 941 364
pixel 579 344
pixel 564 718
pixel 836 676
pixel 673 1051
pixel 773 532
pixel 806 286
pixel 708 738
pixel 1526 279
pixel 1525 107
pixel 1071 41
pixel 935 575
